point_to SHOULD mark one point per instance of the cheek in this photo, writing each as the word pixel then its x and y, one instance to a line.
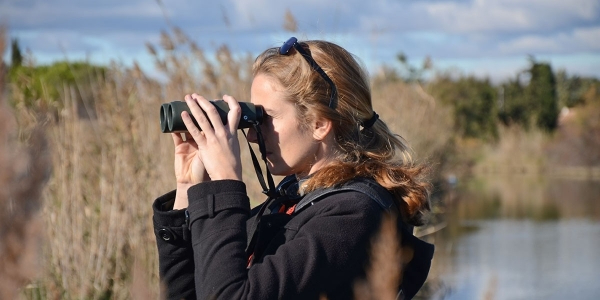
pixel 276 130
pixel 271 126
pixel 266 129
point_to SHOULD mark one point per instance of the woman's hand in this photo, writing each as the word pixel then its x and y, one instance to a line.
pixel 189 169
pixel 216 147
pixel 210 153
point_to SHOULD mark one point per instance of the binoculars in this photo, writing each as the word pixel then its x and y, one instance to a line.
pixel 171 121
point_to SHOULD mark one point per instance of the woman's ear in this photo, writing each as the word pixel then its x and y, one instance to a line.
pixel 322 127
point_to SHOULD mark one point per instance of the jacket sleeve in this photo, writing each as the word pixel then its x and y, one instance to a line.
pixel 175 255
pixel 328 247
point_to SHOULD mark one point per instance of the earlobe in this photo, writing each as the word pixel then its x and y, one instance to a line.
pixel 322 127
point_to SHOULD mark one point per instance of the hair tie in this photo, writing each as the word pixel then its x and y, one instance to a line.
pixel 369 123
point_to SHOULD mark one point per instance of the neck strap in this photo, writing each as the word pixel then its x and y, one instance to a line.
pixel 270 191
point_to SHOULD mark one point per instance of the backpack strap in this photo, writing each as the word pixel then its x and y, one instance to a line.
pixel 416 271
pixel 286 189
pixel 363 185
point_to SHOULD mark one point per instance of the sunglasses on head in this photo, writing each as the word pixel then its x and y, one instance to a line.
pixel 293 43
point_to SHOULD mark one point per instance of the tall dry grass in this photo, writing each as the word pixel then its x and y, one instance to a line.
pixel 517 151
pixel 415 115
pixel 24 165
pixel 109 166
pixel 384 270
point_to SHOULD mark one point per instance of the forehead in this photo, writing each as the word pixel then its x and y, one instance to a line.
pixel 268 92
pixel 267 83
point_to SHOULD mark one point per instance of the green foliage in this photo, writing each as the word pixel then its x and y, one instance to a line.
pixel 571 90
pixel 513 104
pixel 535 103
pixel 30 85
pixel 541 92
pixel 16 56
pixel 474 103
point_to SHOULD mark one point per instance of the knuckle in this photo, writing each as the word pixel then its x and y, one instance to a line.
pixel 236 109
pixel 210 109
pixel 221 134
pixel 195 132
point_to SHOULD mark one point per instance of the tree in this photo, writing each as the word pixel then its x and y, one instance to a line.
pixel 535 103
pixel 541 94
pixel 45 85
pixel 16 56
pixel 513 104
pixel 474 103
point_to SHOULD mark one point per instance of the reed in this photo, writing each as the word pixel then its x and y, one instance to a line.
pixel 25 165
pixel 517 151
pixel 385 270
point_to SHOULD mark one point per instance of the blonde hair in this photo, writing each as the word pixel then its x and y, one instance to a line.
pixel 373 152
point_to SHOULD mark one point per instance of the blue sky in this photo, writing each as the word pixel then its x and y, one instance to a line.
pixel 490 38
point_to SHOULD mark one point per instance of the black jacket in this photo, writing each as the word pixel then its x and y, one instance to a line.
pixel 322 249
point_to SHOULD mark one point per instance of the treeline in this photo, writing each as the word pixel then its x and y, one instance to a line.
pixel 533 98
pixel 44 85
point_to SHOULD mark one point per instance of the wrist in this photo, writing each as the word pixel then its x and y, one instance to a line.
pixel 228 176
pixel 181 197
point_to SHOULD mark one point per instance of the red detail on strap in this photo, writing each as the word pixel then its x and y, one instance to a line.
pixel 250 260
pixel 290 210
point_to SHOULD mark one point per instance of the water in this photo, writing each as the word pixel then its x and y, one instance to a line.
pixel 520 238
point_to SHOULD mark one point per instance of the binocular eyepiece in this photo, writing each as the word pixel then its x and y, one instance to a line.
pixel 171 121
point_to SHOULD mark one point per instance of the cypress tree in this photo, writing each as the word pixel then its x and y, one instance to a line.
pixel 542 96
pixel 16 56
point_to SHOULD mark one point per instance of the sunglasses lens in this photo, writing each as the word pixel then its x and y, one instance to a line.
pixel 283 50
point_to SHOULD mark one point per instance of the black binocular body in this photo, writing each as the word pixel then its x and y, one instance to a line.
pixel 171 121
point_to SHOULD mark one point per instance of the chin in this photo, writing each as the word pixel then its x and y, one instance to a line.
pixel 278 170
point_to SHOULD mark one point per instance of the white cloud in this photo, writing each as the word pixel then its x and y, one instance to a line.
pixel 475 17
pixel 531 44
pixel 456 30
pixel 578 40
pixel 312 16
pixel 56 12
pixel 508 15
pixel 588 37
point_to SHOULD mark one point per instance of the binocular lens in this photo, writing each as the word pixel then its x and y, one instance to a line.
pixel 164 124
pixel 171 121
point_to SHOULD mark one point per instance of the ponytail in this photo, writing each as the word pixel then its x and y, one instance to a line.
pixel 383 156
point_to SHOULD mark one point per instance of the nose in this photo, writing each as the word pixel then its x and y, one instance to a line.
pixel 251 136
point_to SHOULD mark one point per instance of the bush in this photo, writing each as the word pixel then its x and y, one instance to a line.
pixel 47 86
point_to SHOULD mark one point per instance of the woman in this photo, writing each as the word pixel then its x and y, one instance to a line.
pixel 344 170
